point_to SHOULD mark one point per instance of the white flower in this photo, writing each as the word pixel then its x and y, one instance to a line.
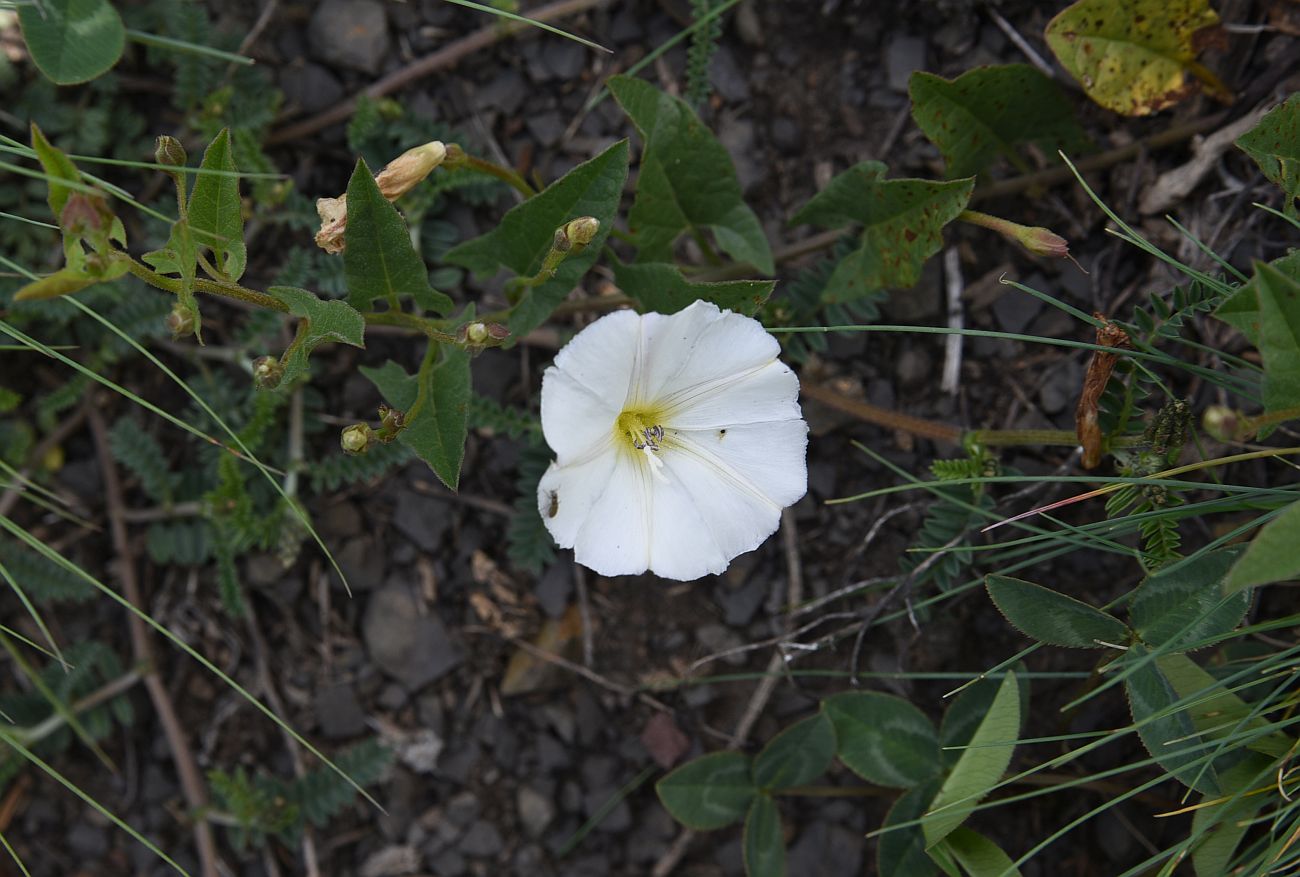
pixel 678 440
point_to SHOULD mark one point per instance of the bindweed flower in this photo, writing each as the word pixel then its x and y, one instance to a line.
pixel 678 440
pixel 398 177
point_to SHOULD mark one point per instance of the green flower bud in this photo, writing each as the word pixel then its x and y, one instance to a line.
pixel 168 150
pixel 180 322
pixel 1221 423
pixel 267 372
pixel 356 438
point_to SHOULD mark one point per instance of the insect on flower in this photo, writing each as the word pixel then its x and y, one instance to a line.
pixel 678 440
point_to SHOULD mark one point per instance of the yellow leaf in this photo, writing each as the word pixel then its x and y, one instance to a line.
pixel 1137 57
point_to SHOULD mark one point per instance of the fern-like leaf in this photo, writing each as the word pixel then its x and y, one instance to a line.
pixel 528 543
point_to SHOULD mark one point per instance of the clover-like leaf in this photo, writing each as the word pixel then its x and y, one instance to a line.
pixel 989 111
pixel 660 287
pixel 1136 57
pixel 977 855
pixel 215 211
pixel 72 41
pixel 379 261
pixel 883 738
pixel 1052 617
pixel 980 766
pixel 687 181
pixel 797 755
pixel 901 851
pixel 525 234
pixel 1183 605
pixel 319 321
pixel 1216 711
pixel 710 792
pixel 902 223
pixel 763 843
pixel 436 404
pixel 1164 724
pixel 1274 143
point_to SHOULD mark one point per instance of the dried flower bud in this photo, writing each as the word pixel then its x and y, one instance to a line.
pixel 267 372
pixel 180 322
pixel 478 335
pixel 1221 423
pixel 403 173
pixel 397 178
pixel 356 438
pixel 168 150
pixel 391 421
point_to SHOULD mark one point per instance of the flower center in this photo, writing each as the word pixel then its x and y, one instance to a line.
pixel 640 429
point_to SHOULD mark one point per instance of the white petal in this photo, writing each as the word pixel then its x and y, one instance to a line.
pixel 602 356
pixel 769 394
pixel 614 540
pixel 574 419
pixel 701 347
pixel 767 461
pixel 683 544
pixel 566 494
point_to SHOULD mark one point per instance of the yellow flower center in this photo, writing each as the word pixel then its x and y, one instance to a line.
pixel 640 429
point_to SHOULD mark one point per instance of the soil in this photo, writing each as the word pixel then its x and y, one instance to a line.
pixel 419 654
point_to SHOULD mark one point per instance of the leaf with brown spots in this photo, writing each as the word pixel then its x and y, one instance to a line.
pixel 902 224
pixel 1275 145
pixel 1086 424
pixel 1137 57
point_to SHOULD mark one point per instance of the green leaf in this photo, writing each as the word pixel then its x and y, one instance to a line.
pixel 1241 309
pixel 1279 336
pixel 659 286
pixel 379 261
pixel 321 321
pixel 1221 826
pixel 989 111
pixel 967 710
pixel 763 843
pixel 72 41
pixel 712 791
pixel 796 756
pixel 979 856
pixel 1052 617
pixel 215 211
pixel 524 235
pixel 1184 604
pixel 980 766
pixel 1216 711
pixel 687 181
pixel 61 282
pixel 436 403
pixel 59 167
pixel 1166 732
pixel 883 739
pixel 1274 143
pixel 901 220
pixel 1134 56
pixel 1271 556
pixel 901 851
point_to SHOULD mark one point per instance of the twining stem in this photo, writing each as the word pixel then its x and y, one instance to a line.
pixel 212 287
pixel 408 321
pixel 505 174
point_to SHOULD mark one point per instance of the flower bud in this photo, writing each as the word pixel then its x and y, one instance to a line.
pixel 180 322
pixel 267 372
pixel 356 438
pixel 403 173
pixel 476 333
pixel 168 150
pixel 1043 242
pixel 583 230
pixel 391 422
pixel 1221 423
